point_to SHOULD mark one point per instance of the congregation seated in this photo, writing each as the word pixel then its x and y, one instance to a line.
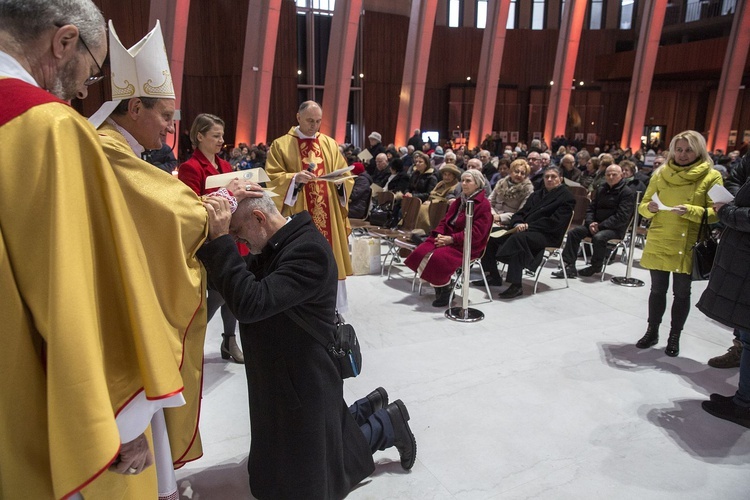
pixel 398 180
pixel 634 180
pixel 444 191
pixel 540 223
pixel 503 169
pixel 381 174
pixel 441 254
pixel 423 179
pixel 607 218
pixel 361 194
pixel 511 192
pixel 475 164
pixel 588 175
pixel 570 171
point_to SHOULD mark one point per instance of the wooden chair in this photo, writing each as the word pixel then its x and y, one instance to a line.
pixel 578 191
pixel 409 211
pixel 437 212
pixel 582 205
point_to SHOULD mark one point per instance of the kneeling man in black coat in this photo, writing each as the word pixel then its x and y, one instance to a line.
pixel 305 442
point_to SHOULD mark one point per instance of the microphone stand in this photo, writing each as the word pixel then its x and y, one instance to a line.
pixel 465 314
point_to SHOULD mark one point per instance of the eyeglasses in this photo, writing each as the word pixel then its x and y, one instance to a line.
pixel 97 77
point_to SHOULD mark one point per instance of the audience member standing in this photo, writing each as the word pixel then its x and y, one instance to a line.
pixel 207 138
pixel 727 300
pixel 682 185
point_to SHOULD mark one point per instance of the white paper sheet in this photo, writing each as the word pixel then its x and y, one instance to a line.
pixel 662 206
pixel 719 194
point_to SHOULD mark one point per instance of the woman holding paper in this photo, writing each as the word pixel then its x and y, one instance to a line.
pixel 207 137
pixel 675 200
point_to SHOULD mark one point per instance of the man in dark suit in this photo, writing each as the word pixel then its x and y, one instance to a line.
pixel 305 442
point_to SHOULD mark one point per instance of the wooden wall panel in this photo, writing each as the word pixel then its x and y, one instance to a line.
pixel 284 100
pixel 384 39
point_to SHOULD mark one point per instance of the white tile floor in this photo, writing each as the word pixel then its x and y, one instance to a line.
pixel 547 397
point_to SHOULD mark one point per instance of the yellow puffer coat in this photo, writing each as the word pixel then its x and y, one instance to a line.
pixel 671 236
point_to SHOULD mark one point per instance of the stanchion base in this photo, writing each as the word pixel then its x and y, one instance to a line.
pixel 624 281
pixel 467 315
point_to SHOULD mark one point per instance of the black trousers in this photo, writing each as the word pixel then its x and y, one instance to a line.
pixel 598 241
pixel 657 300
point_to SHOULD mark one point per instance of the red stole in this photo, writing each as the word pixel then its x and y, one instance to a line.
pixel 316 193
pixel 19 97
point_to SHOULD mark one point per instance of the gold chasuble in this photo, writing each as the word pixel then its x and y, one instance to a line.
pixel 172 224
pixel 80 319
pixel 291 154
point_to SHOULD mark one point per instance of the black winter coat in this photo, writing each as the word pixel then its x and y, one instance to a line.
pixel 421 185
pixel 400 183
pixel 727 296
pixel 360 197
pixel 612 208
pixel 547 212
pixel 304 442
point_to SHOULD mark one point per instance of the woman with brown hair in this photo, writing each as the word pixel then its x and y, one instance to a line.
pixel 511 192
pixel 207 137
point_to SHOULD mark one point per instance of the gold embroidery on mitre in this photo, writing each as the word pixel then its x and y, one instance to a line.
pixel 165 88
pixel 127 91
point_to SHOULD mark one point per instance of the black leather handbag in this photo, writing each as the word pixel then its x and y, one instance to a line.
pixel 704 251
pixel 381 216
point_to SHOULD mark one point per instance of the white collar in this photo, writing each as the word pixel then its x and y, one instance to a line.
pixel 301 135
pixel 11 68
pixel 134 145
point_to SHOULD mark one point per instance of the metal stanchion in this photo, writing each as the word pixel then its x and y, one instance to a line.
pixel 464 313
pixel 627 280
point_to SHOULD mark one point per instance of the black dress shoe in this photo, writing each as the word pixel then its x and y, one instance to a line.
pixel 589 271
pixel 718 398
pixel 728 411
pixel 490 282
pixel 442 296
pixel 403 440
pixel 378 399
pixel 512 292
pixel 570 271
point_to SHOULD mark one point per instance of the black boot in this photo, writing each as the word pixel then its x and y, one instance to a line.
pixel 442 296
pixel 230 349
pixel 673 343
pixel 650 338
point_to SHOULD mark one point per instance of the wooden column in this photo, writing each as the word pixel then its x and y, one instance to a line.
pixel 173 15
pixel 571 25
pixel 411 99
pixel 652 22
pixel 257 71
pixel 731 79
pixel 490 59
pixel 341 48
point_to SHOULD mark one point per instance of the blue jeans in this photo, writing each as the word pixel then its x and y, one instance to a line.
pixel 742 397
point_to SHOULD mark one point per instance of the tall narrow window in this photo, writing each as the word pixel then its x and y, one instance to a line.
pixel 481 14
pixel 511 15
pixel 693 10
pixel 626 14
pixel 537 14
pixel 596 12
pixel 454 13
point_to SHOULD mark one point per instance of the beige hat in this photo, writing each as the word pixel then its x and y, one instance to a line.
pixel 449 167
pixel 140 71
pixel 376 136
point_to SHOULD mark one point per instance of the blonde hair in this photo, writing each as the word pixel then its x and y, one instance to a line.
pixel 696 142
pixel 520 163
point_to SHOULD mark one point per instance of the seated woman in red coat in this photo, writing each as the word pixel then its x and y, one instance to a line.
pixel 441 254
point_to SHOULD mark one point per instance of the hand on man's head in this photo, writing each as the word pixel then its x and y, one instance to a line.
pixel 219 216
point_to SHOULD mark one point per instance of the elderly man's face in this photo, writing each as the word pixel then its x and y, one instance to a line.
pixel 381 161
pixel 154 124
pixel 249 229
pixel 309 120
pixel 69 81
pixel 484 158
pixel 534 161
pixel 613 175
pixel 474 164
